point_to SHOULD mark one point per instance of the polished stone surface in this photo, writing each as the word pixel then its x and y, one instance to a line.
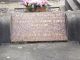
pixel 39 26
pixel 5 21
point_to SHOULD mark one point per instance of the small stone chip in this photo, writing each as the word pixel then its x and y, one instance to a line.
pixel 20 47
pixel 8 57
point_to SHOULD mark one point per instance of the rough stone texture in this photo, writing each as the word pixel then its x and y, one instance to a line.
pixel 42 26
pixel 3 10
pixel 10 1
pixel 12 6
pixel 41 51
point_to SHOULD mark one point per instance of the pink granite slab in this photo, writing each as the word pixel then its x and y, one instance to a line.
pixel 39 26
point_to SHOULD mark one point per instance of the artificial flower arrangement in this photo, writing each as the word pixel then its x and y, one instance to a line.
pixel 35 5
